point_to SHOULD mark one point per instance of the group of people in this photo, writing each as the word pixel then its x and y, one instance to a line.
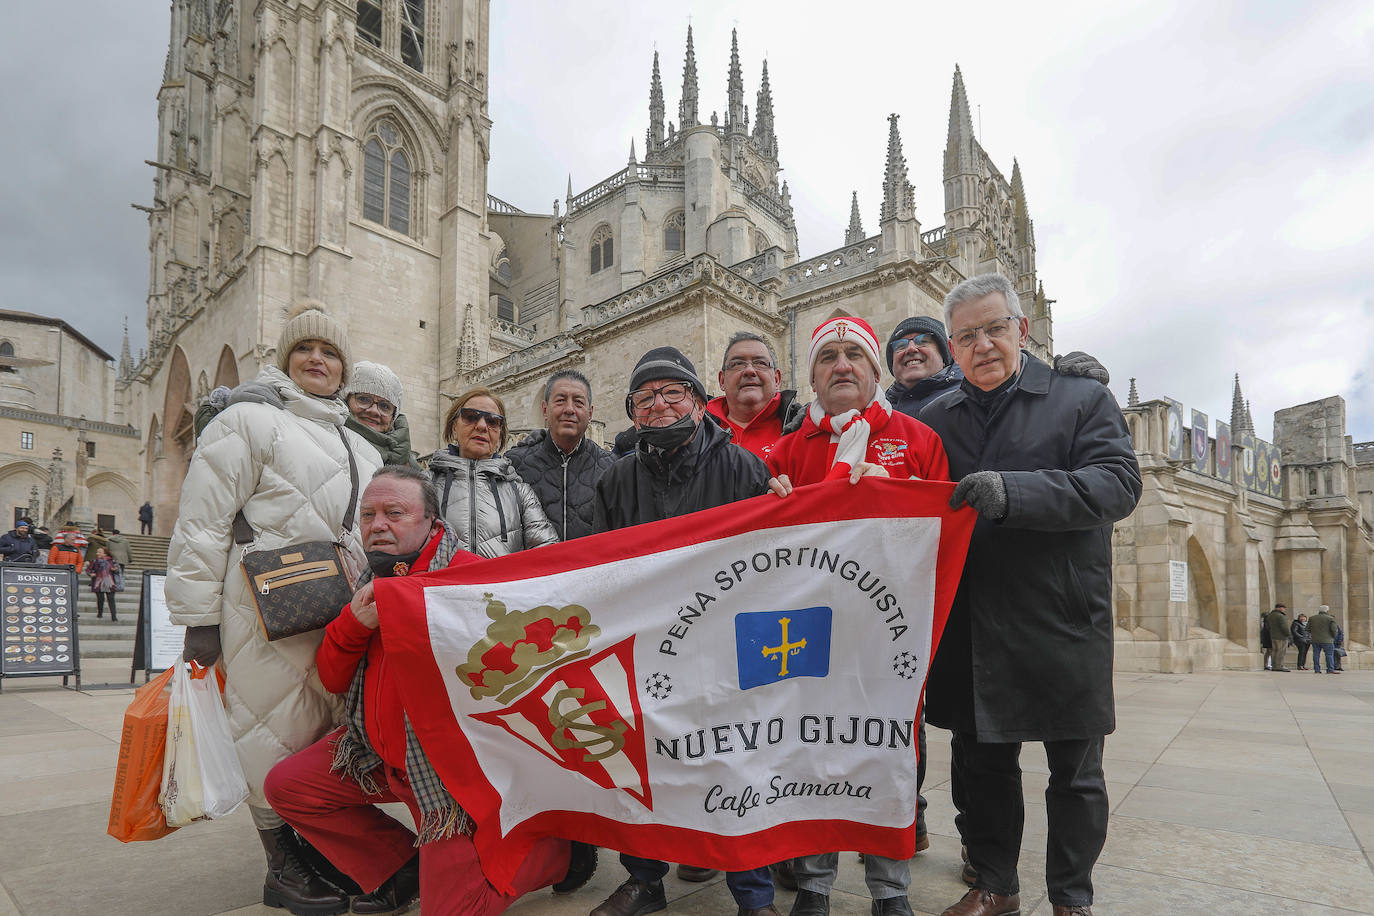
pixel 1040 452
pixel 1322 634
pixel 100 556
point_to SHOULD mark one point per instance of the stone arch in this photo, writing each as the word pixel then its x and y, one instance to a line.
pixel 16 480
pixel 1203 608
pixel 152 449
pixel 178 438
pixel 114 494
pixel 227 372
pixel 392 100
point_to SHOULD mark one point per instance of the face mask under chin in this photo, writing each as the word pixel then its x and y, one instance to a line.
pixel 670 437
pixel 385 565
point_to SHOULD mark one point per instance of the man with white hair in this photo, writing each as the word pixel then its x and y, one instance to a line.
pixel 1026 655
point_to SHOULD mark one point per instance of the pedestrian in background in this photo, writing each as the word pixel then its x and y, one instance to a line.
pixel 1279 634
pixel 145 518
pixel 1321 629
pixel 1301 640
pixel 102 569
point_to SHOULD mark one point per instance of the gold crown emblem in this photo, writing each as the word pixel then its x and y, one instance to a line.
pixel 519 646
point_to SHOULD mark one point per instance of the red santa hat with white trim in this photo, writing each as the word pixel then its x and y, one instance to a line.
pixel 845 329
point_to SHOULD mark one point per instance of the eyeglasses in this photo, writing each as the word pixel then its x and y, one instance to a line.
pixel 920 340
pixel 367 401
pixel 995 330
pixel 470 416
pixel 739 364
pixel 643 399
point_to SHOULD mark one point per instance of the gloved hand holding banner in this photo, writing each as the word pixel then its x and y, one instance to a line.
pixel 729 688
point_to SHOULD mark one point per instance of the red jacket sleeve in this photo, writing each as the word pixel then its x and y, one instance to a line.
pixel 933 457
pixel 345 643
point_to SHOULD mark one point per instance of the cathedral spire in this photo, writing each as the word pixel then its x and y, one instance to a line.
pixel 634 160
pixel 126 359
pixel 959 143
pixel 1133 396
pixel 1240 411
pixel 855 232
pixel 653 139
pixel 1024 228
pixel 734 115
pixel 899 198
pixel 687 107
pixel 764 137
pixel 1249 419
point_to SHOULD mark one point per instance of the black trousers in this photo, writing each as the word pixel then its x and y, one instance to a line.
pixel 986 790
pixel 145 527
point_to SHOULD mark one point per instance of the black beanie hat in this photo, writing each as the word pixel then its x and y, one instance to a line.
pixel 925 325
pixel 665 362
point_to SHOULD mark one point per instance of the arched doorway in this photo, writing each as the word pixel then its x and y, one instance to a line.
pixel 178 441
pixel 227 372
pixel 1203 609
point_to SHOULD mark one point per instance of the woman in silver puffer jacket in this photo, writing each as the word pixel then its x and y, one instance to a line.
pixel 481 498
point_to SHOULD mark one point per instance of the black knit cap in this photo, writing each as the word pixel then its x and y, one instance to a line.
pixel 669 363
pixel 924 325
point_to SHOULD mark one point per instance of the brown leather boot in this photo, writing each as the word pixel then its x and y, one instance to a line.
pixel 293 885
pixel 978 902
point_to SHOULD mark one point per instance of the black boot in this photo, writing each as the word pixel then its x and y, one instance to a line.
pixel 396 895
pixel 293 885
pixel 581 867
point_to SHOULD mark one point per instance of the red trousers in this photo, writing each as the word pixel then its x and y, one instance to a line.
pixel 369 845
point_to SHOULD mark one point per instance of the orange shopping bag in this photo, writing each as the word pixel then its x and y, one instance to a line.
pixel 134 812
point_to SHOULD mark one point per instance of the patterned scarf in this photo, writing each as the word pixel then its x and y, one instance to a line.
pixel 440 815
pixel 849 432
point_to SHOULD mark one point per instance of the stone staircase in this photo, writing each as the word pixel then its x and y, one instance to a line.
pixel 104 638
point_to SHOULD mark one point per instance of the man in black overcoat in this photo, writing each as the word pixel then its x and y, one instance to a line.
pixel 1046 460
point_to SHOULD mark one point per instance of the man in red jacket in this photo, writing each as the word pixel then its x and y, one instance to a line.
pixel 330 791
pixel 753 407
pixel 850 431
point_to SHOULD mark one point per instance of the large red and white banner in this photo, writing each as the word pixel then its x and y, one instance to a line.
pixel 728 689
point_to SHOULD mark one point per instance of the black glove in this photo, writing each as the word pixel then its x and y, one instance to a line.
pixel 202 645
pixel 985 492
pixel 1080 363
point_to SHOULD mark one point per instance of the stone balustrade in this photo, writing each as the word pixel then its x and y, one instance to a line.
pixel 540 353
pixel 667 284
pixel 827 267
pixel 663 176
pixel 513 330
pixel 497 205
pixel 934 237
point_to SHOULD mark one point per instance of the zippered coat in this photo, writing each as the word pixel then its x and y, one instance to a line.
pixel 565 484
pixel 286 468
pixel 487 506
pixel 1027 652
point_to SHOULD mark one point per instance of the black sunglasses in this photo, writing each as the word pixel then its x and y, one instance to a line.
pixel 471 415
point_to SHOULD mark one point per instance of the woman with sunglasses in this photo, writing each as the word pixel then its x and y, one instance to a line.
pixel 373 398
pixel 481 498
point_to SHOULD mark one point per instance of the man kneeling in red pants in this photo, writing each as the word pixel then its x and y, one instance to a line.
pixel 330 790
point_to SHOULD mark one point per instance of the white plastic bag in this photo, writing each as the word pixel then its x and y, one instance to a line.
pixel 201 775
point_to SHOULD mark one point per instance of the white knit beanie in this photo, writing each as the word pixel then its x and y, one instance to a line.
pixel 309 321
pixel 374 379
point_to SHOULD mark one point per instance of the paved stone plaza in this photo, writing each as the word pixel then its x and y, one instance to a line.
pixel 1237 792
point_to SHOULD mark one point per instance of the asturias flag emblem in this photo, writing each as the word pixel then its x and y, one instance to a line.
pixel 773 646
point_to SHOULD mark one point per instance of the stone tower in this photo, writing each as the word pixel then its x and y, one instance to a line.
pixel 331 149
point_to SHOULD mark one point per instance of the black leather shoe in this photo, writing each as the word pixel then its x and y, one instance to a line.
pixel 396 895
pixel 634 898
pixel 892 906
pixel 696 875
pixel 291 884
pixel 810 903
pixel 581 867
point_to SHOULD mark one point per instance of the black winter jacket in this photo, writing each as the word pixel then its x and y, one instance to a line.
pixel 910 400
pixel 1027 652
pixel 19 549
pixel 708 471
pixel 565 484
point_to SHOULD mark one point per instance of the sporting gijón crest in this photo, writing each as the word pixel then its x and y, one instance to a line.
pixel 583 712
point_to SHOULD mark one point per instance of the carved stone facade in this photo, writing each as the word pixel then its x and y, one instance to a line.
pixel 330 149
pixel 1219 537
pixel 712 189
pixel 67 451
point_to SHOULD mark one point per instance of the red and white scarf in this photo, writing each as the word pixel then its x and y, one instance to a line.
pixel 849 432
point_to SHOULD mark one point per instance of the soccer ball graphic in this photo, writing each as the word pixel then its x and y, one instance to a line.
pixel 658 685
pixel 905 664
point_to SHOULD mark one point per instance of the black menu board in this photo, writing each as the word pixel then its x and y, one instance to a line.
pixel 38 623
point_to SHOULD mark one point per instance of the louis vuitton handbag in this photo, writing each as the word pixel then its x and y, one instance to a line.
pixel 300 587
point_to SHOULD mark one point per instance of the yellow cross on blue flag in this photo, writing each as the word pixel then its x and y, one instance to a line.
pixel 775 645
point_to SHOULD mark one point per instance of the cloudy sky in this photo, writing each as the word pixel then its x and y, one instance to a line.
pixel 1201 176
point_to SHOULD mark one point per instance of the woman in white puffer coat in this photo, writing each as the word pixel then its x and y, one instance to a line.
pixel 286 468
